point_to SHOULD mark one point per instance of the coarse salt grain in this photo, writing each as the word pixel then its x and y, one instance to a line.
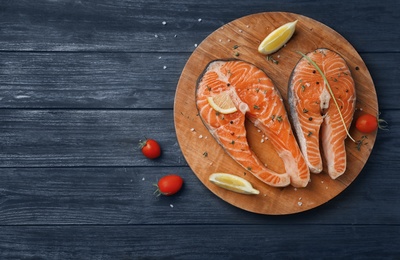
pixel 171 205
pixel 240 31
pixel 164 67
pixel 192 129
pixel 143 179
pixel 200 136
pixel 299 203
pixel 262 140
pixel 164 22
pixel 175 35
pixel 199 20
pixel 195 45
pixel 155 35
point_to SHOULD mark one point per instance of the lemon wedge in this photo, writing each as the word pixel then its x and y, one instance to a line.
pixel 233 183
pixel 277 38
pixel 222 103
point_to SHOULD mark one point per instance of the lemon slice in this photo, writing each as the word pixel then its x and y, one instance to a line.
pixel 233 183
pixel 276 39
pixel 222 103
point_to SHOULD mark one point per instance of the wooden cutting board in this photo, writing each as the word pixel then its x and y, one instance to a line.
pixel 240 39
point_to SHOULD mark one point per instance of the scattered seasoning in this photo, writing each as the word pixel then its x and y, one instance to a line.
pixel 192 129
pixel 335 80
pixel 205 154
pixel 233 142
pixel 262 140
pixel 200 136
pixel 360 142
pixel 217 113
pixel 257 90
pixel 279 118
pixel 305 110
pixel 303 88
pixel 236 54
pixel 357 68
pixel 273 117
pixel 208 87
pixel 256 107
pixel 310 119
pixel 249 168
pixel 300 203
pixel 313 71
pixel 235 47
pixel 270 58
pixel 309 133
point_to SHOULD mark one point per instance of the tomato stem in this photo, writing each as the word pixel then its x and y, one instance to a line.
pixel 382 124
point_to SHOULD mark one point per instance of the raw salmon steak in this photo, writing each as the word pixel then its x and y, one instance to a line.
pixel 315 116
pixel 256 98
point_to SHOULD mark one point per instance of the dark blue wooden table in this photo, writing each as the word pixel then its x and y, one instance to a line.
pixel 81 82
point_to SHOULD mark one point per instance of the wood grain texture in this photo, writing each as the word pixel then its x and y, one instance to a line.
pixel 121 80
pixel 247 33
pixel 37 138
pixel 132 26
pixel 81 82
pixel 145 242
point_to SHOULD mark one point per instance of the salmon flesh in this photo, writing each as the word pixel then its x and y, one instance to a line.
pixel 255 98
pixel 315 116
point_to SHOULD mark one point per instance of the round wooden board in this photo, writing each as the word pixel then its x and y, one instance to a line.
pixel 242 37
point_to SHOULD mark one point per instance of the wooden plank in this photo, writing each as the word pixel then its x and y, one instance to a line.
pixel 120 195
pixel 212 242
pixel 127 80
pixel 34 138
pixel 89 80
pixel 48 138
pixel 133 25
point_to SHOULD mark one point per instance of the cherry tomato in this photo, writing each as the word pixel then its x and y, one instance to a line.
pixel 367 123
pixel 169 184
pixel 150 148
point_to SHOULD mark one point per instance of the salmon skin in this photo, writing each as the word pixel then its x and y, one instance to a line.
pixel 256 98
pixel 315 116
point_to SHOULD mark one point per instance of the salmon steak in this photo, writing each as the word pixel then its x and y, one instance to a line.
pixel 256 98
pixel 315 115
